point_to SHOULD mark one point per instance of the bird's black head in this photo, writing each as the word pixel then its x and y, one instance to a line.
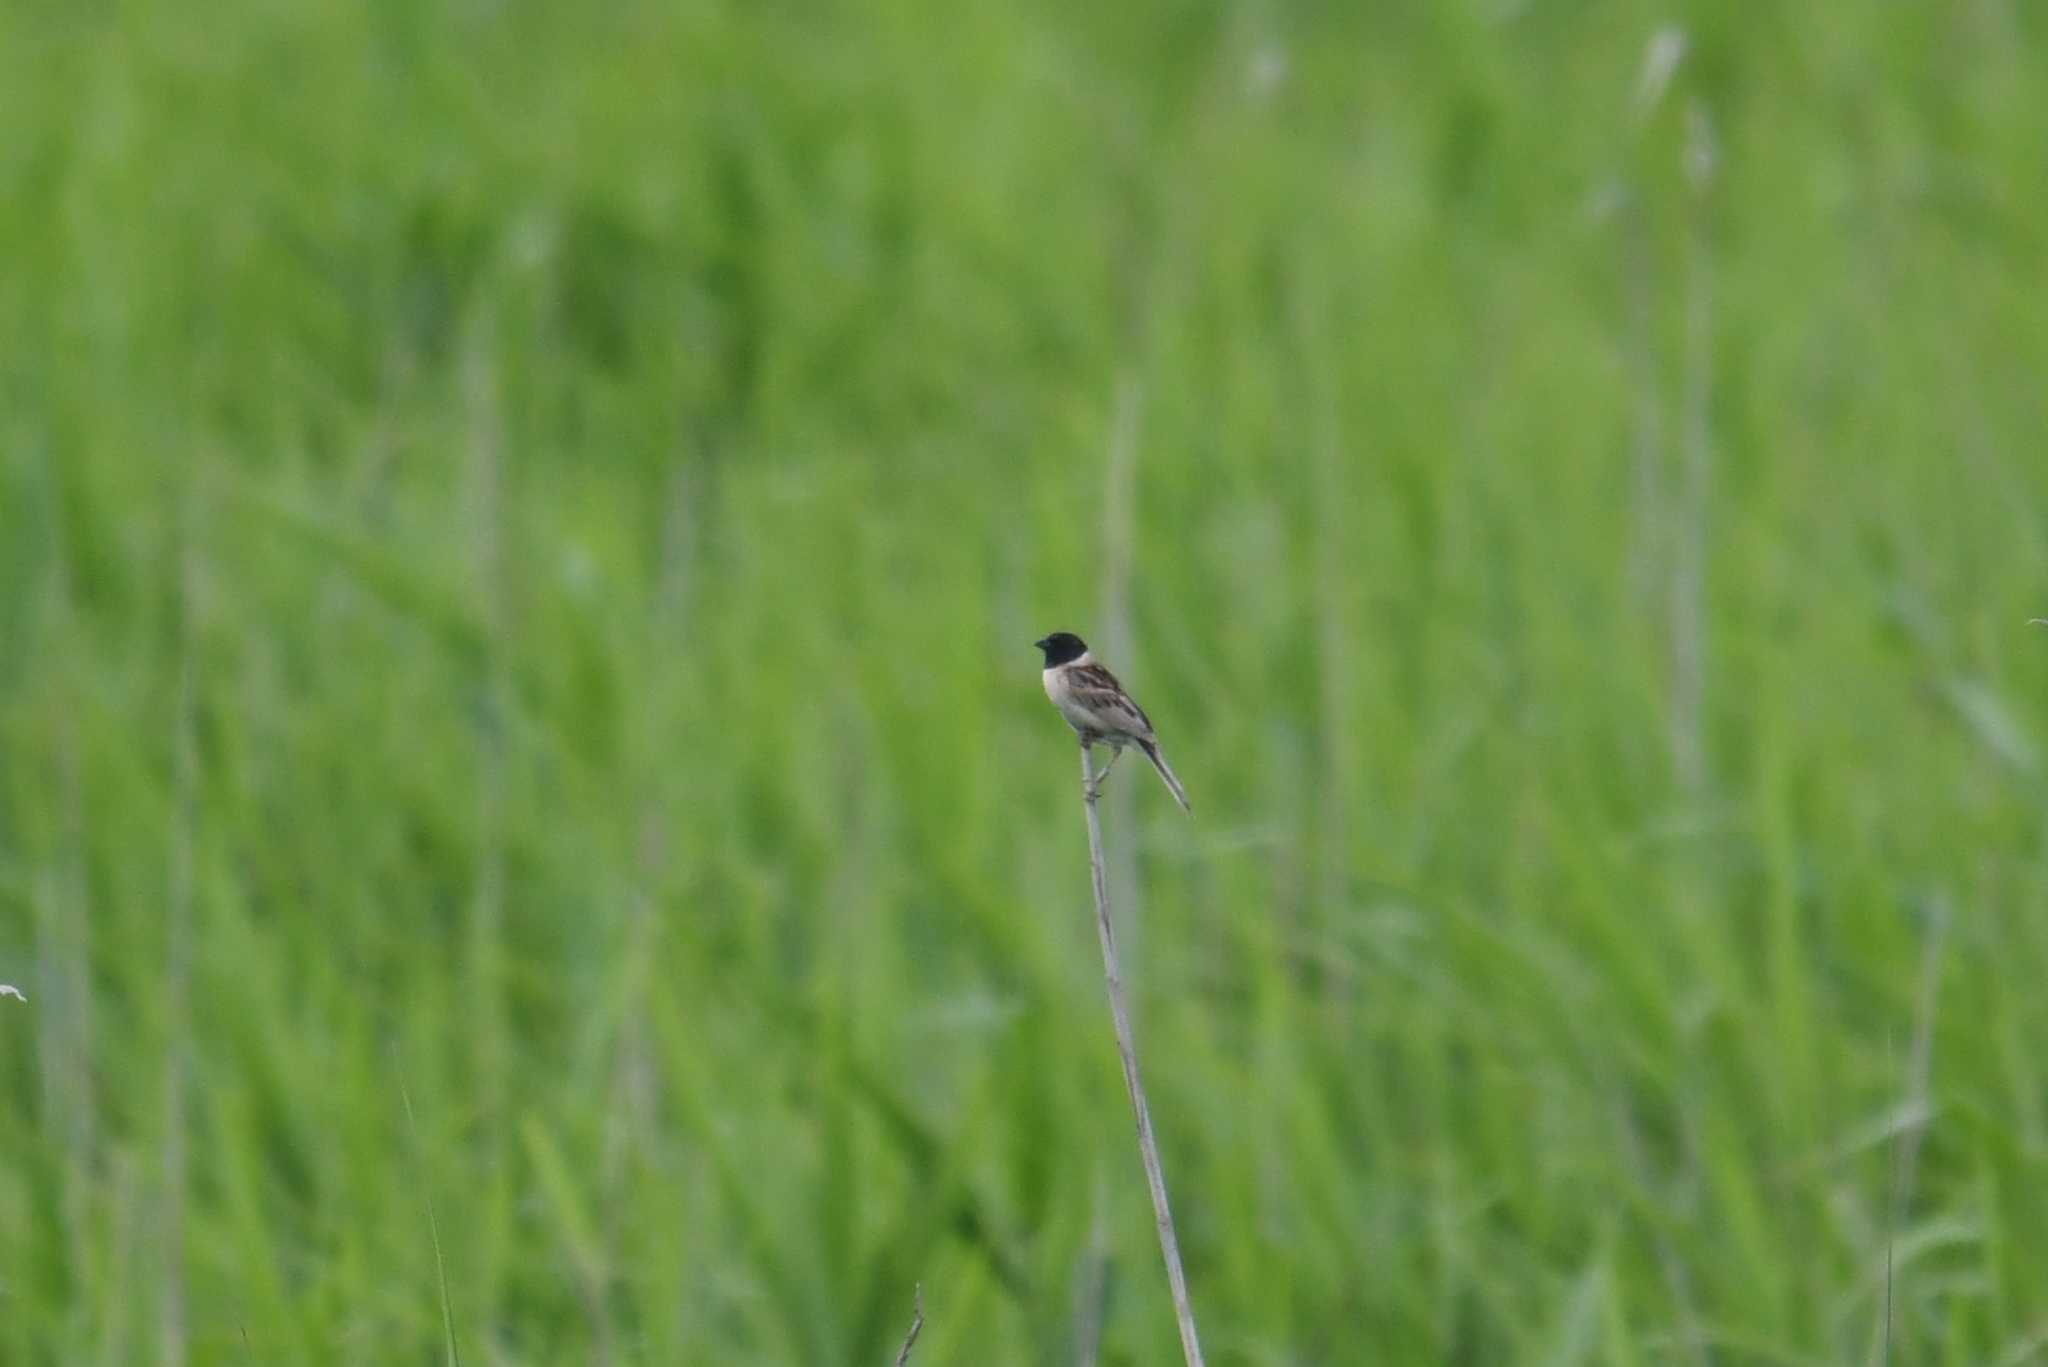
pixel 1061 648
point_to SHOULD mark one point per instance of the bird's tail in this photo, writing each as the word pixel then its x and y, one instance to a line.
pixel 1180 794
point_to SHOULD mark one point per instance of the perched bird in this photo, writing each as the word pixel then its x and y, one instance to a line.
pixel 1098 709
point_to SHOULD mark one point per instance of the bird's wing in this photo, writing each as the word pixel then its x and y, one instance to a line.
pixel 1096 689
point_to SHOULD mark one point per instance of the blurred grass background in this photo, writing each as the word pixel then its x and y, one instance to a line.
pixel 521 528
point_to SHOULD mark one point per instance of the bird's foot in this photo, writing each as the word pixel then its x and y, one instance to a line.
pixel 1094 790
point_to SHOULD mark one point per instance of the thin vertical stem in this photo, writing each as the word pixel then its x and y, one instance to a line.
pixel 1647 545
pixel 1689 551
pixel 916 1326
pixel 482 408
pixel 178 951
pixel 1336 612
pixel 1661 58
pixel 1127 1049
pixel 64 909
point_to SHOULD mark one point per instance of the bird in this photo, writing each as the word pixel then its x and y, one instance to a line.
pixel 1099 710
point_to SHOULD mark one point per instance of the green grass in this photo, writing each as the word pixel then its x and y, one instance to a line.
pixel 600 468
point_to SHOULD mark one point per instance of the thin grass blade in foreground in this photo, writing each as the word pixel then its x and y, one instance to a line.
pixel 1127 1049
pixel 412 1125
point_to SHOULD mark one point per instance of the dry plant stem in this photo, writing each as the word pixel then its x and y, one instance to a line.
pixel 1694 492
pixel 65 920
pixel 172 1332
pixel 1127 1049
pixel 916 1325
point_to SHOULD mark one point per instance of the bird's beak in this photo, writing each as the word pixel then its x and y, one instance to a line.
pixel 1039 644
